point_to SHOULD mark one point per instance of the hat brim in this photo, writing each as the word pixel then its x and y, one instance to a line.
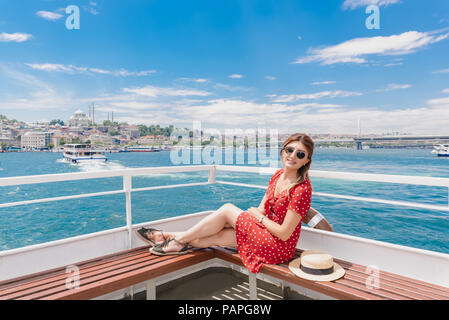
pixel 294 267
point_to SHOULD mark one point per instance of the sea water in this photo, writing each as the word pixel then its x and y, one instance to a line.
pixel 37 223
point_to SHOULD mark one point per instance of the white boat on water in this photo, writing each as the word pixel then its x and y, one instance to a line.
pixel 76 153
pixel 141 149
pixel 441 150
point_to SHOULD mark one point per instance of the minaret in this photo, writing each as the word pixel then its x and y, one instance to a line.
pixel 93 113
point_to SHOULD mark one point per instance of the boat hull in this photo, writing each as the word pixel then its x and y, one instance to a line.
pixel 78 160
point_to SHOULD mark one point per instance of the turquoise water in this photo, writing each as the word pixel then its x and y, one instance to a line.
pixel 36 223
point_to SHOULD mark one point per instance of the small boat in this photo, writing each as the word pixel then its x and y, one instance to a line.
pixel 141 149
pixel 81 153
pixel 441 150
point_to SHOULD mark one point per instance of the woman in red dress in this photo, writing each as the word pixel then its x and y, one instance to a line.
pixel 267 234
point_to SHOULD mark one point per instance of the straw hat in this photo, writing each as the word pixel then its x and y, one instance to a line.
pixel 316 265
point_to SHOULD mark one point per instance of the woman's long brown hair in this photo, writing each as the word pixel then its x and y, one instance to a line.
pixel 303 172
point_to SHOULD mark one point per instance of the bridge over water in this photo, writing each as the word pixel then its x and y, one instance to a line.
pixel 359 140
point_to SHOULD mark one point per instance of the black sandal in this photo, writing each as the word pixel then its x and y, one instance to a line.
pixel 158 249
pixel 143 234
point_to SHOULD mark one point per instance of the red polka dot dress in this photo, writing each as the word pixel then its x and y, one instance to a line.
pixel 256 245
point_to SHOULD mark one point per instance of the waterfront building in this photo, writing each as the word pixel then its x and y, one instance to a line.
pixel 151 139
pixel 132 132
pixel 35 140
pixel 102 139
pixel 56 140
pixel 123 140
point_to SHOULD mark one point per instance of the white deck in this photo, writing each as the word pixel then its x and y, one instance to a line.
pixel 429 266
pixel 419 264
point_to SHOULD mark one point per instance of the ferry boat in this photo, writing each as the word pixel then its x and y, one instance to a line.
pixel 116 264
pixel 81 153
pixel 141 149
pixel 441 150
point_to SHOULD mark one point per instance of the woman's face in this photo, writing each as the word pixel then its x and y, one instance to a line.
pixel 291 160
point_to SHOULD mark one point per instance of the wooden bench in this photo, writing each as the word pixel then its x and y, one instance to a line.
pixel 109 273
pixel 101 276
pixel 353 284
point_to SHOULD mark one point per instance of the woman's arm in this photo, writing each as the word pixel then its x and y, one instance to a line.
pixel 261 206
pixel 297 209
pixel 282 231
pixel 277 230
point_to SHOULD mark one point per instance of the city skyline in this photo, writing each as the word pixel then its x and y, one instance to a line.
pixel 290 65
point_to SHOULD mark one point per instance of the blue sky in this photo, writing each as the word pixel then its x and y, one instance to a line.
pixel 299 65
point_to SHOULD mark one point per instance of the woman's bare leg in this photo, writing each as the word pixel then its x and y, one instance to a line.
pixel 224 217
pixel 224 238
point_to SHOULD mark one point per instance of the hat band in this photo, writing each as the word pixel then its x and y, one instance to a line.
pixel 319 272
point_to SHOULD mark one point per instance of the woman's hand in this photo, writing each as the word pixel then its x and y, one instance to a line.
pixel 255 212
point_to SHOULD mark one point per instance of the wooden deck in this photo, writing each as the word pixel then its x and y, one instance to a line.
pixel 121 270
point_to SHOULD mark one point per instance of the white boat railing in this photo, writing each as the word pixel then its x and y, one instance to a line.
pixel 127 175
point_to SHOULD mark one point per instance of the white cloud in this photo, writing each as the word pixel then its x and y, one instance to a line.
pixel 231 88
pixel 99 71
pixel 151 91
pixel 38 95
pixel 126 73
pixel 394 86
pixel 315 118
pixel 232 113
pixel 235 76
pixel 270 78
pixel 354 4
pixel 441 71
pixel 445 90
pixel 393 64
pixel 129 106
pixel 14 37
pixel 53 67
pixel 317 95
pixel 197 80
pixel 317 83
pixel 91 9
pixel 200 80
pixel 356 50
pixel 438 101
pixel 235 113
pixel 52 16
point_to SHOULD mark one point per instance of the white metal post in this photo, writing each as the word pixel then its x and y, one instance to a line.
pixel 252 286
pixel 151 289
pixel 212 172
pixel 129 220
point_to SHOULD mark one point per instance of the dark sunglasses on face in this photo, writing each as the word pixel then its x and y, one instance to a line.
pixel 299 154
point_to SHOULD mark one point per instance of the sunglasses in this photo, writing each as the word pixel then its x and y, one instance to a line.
pixel 299 154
